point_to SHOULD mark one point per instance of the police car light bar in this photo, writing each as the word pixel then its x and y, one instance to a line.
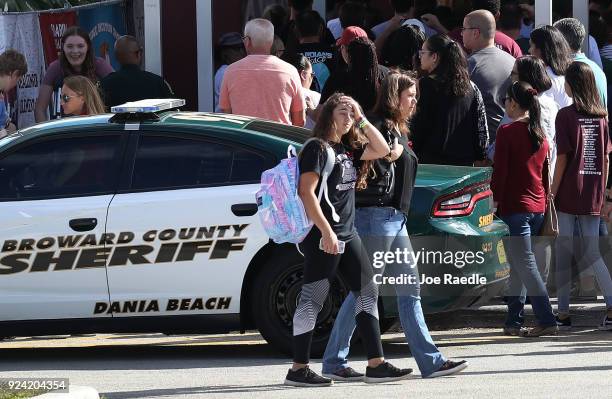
pixel 148 106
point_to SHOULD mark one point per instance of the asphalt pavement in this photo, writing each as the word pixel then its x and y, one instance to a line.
pixel 573 365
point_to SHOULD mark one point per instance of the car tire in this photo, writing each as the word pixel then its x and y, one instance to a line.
pixel 274 297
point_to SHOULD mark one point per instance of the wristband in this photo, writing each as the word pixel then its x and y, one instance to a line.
pixel 362 122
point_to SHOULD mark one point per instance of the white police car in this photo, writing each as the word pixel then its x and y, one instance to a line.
pixel 144 221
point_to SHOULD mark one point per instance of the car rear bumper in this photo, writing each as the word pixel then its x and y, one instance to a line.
pixel 489 277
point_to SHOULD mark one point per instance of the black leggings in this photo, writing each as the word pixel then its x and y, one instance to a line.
pixel 320 268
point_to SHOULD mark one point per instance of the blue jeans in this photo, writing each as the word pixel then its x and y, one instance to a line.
pixel 589 230
pixel 525 278
pixel 384 229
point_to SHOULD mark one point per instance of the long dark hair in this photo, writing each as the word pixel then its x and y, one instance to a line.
pixel 363 72
pixel 88 69
pixel 451 70
pixel 388 101
pixel 581 80
pixel 526 97
pixel 402 47
pixel 325 125
pixel 553 47
pixel 533 71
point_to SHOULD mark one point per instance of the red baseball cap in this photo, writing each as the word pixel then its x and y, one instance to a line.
pixel 349 34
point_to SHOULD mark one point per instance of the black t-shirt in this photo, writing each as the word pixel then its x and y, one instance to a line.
pixel 130 83
pixel 289 36
pixel 405 172
pixel 323 58
pixel 340 183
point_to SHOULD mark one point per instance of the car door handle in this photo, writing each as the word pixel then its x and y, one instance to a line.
pixel 83 224
pixel 244 209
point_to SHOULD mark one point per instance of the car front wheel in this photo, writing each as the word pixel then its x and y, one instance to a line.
pixel 274 298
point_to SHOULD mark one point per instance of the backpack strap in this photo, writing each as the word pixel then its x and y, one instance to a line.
pixel 330 161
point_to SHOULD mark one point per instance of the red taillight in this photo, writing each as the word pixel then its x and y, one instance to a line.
pixel 462 202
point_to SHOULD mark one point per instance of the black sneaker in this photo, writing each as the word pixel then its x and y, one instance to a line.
pixel 305 377
pixel 346 374
pixel 564 324
pixel 385 372
pixel 449 367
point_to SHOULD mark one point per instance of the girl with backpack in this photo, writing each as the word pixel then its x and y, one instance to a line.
pixel 333 243
pixel 382 209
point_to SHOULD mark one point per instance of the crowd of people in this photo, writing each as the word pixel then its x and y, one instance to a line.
pixel 425 86
pixel 433 93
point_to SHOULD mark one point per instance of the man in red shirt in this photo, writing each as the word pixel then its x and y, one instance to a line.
pixel 502 41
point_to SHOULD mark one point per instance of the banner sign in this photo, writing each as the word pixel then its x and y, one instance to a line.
pixel 52 28
pixel 105 24
pixel 22 33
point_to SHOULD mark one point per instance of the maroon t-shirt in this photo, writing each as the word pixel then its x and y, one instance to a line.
pixel 584 139
pixel 502 41
pixel 55 73
pixel 518 171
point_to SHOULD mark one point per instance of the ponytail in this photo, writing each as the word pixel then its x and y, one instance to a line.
pixel 536 134
pixel 527 98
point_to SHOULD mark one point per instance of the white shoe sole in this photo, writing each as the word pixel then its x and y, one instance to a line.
pixel 343 379
pixel 305 385
pixel 605 328
pixel 452 371
pixel 370 380
pixel 564 328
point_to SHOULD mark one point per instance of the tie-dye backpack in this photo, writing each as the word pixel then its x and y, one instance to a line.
pixel 280 209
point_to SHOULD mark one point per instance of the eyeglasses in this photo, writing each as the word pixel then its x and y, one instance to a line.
pixel 464 28
pixel 65 98
pixel 421 52
pixel 245 36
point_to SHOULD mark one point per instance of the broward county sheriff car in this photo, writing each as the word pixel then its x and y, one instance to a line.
pixel 145 220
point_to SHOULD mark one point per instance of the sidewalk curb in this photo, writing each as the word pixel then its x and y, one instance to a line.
pixel 74 392
pixel 586 314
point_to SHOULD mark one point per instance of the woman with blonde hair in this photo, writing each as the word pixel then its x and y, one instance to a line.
pixel 80 97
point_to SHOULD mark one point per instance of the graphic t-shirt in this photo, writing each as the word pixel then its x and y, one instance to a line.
pixel 403 170
pixel 585 141
pixel 323 58
pixel 340 183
